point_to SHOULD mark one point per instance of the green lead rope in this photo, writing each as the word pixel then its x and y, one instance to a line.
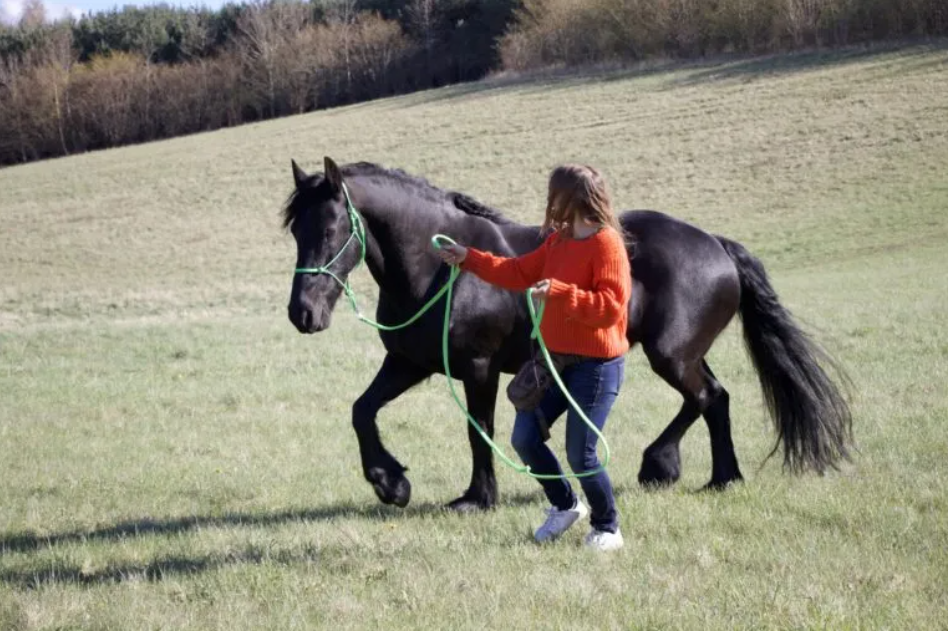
pixel 536 317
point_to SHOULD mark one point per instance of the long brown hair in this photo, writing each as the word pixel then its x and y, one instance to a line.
pixel 578 190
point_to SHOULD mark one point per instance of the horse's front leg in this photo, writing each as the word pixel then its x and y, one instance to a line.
pixel 381 469
pixel 480 390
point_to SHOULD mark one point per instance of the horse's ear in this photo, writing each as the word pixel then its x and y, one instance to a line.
pixel 333 175
pixel 299 176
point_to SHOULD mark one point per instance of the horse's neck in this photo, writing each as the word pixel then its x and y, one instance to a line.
pixel 400 224
pixel 398 239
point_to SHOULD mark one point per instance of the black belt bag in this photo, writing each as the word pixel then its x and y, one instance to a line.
pixel 528 386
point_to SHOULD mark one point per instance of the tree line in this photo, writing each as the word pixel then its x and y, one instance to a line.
pixel 557 32
pixel 137 74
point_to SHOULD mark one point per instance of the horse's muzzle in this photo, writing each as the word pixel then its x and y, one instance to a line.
pixel 307 319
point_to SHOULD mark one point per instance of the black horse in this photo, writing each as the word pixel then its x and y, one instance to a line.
pixel 687 285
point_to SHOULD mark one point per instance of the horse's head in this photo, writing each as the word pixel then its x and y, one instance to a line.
pixel 318 217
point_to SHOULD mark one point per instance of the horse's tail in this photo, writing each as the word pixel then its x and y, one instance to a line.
pixel 810 414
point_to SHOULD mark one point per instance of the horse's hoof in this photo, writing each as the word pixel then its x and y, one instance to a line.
pixel 660 468
pixel 473 502
pixel 464 505
pixel 717 485
pixel 390 487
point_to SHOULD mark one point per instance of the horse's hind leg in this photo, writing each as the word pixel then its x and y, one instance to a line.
pixel 661 461
pixel 703 395
pixel 717 414
pixel 381 469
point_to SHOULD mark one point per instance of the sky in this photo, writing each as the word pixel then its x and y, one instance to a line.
pixel 11 10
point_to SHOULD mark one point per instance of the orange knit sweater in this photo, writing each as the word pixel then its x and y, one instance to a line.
pixel 591 282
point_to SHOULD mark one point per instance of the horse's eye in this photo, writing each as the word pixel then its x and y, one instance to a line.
pixel 329 233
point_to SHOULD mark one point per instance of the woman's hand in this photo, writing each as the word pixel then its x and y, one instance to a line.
pixel 541 289
pixel 452 254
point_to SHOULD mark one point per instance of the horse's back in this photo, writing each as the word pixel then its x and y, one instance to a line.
pixel 665 240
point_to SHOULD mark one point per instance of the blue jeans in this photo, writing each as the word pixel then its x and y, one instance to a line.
pixel 594 384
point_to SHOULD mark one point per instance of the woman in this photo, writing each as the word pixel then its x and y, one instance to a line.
pixel 582 272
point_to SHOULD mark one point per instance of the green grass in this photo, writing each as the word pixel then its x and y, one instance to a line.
pixel 173 454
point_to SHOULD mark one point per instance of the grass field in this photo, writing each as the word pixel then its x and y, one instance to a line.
pixel 173 454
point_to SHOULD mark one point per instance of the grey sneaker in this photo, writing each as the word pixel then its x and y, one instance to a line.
pixel 603 540
pixel 559 521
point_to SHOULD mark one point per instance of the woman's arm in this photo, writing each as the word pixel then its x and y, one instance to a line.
pixel 515 274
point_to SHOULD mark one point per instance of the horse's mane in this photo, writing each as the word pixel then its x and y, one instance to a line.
pixel 460 201
pixel 473 207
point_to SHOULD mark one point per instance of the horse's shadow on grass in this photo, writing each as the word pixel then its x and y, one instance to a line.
pixel 156 569
pixel 25 542
pixel 58 571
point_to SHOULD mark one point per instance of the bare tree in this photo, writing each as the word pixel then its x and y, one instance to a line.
pixel 110 94
pixel 34 98
pixel 58 60
pixel 34 15
pixel 377 43
pixel 13 141
pixel 264 29
pixel 423 20
pixel 342 16
pixel 803 18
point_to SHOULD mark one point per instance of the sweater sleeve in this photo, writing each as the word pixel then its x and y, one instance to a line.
pixel 603 304
pixel 516 274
